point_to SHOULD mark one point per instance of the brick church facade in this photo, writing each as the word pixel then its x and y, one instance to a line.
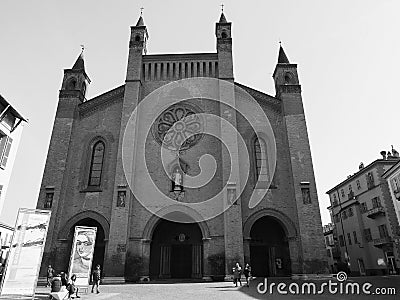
pixel 84 181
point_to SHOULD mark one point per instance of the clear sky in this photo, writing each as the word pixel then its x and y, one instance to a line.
pixel 347 54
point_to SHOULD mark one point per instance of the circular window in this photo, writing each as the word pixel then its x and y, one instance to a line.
pixel 179 127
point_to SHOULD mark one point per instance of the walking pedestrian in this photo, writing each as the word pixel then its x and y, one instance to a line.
pixel 247 273
pixel 64 279
pixel 96 279
pixel 50 275
pixel 72 289
pixel 237 272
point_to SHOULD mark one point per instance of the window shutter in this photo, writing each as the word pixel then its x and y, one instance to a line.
pixel 6 152
pixel 3 140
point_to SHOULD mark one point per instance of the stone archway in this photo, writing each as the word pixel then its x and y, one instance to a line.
pixel 91 219
pixel 269 248
pixel 100 243
pixel 270 243
pixel 176 250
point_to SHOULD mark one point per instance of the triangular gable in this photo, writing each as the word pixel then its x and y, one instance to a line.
pixel 102 100
pixel 262 98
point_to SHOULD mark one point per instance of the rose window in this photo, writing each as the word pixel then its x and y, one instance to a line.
pixel 179 127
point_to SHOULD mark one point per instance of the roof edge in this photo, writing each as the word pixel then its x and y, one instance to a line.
pixel 395 161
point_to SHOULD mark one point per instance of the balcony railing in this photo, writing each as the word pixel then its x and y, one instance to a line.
pixel 383 241
pixel 376 212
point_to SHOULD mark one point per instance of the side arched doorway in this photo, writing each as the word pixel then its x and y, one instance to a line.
pixel 269 248
pixel 176 250
pixel 99 247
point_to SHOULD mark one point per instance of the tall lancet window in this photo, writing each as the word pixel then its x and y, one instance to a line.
pixel 261 160
pixel 96 164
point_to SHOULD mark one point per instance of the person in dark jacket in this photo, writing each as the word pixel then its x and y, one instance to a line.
pixel 56 283
pixel 96 279
pixel 237 273
pixel 64 279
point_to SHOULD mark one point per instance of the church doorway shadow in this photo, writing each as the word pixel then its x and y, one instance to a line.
pixel 176 251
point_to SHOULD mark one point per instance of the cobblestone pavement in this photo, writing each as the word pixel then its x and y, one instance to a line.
pixel 226 290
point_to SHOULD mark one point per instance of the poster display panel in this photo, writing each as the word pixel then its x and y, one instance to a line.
pixel 82 251
pixel 23 264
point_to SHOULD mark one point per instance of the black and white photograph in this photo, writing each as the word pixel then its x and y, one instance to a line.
pixel 200 149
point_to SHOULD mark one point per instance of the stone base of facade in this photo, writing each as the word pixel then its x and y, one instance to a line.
pixel 113 280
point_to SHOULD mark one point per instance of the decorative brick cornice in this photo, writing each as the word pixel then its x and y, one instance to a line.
pixel 290 88
pixel 101 101
pixel 71 94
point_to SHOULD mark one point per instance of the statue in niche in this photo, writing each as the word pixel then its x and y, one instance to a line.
pixel 177 180
pixel 121 198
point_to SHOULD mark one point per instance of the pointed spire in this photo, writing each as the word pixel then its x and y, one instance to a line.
pixel 140 22
pixel 222 19
pixel 79 63
pixel 282 58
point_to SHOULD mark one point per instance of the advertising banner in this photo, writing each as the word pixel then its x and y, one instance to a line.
pixel 23 263
pixel 81 258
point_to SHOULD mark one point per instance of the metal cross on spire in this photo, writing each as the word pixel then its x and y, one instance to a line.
pixel 222 7
pixel 83 48
pixel 141 10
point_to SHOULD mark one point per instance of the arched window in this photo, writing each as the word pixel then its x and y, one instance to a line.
pixel 83 89
pixel 96 164
pixel 71 85
pixel 261 160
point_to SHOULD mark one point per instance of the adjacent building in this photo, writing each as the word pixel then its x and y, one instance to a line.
pixel 332 248
pixel 393 178
pixel 363 212
pixel 10 133
pixel 84 182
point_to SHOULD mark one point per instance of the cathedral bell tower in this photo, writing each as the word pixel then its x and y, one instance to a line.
pixel 120 220
pixel 310 246
pixel 75 81
pixel 223 30
pixel 231 164
pixel 72 93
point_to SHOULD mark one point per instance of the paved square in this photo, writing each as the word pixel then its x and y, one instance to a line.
pixel 226 290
